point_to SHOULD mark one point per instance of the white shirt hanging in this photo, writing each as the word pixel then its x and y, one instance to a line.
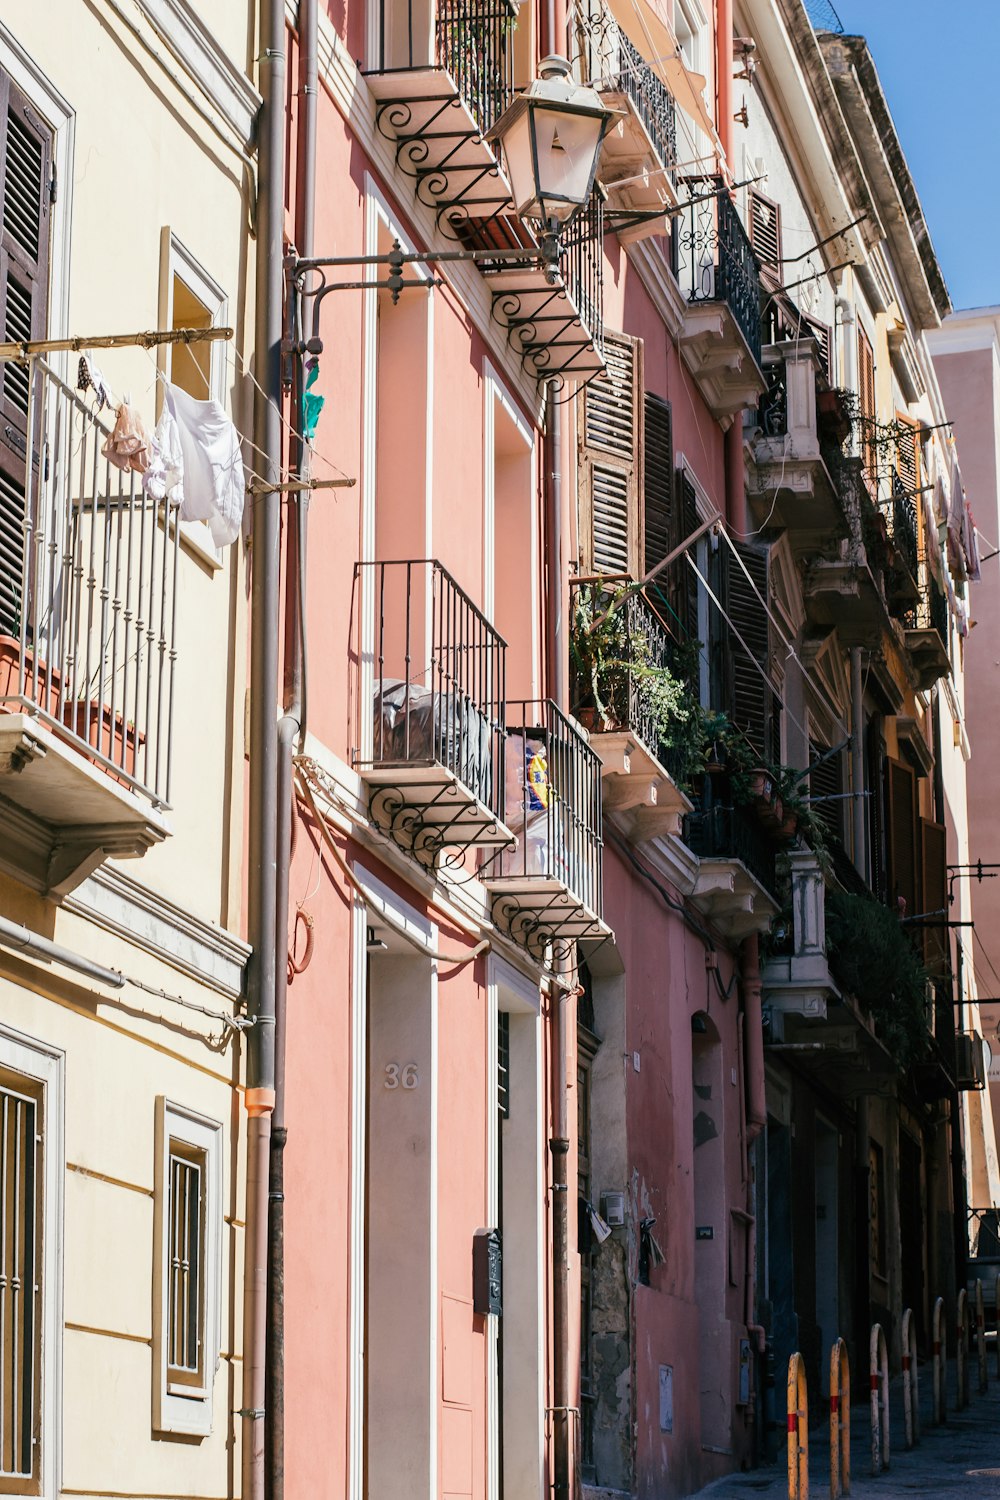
pixel 214 485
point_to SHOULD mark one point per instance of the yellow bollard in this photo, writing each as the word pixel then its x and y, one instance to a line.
pixel 798 1430
pixel 984 1379
pixel 962 1350
pixel 878 1365
pixel 840 1421
pixel 911 1384
pixel 939 1354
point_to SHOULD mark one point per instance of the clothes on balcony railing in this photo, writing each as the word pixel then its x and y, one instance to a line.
pixel 198 453
pixel 414 724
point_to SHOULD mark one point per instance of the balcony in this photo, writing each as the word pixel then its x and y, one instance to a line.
pixel 432 771
pixel 926 628
pixel 900 515
pixel 88 597
pixel 556 330
pixel 719 279
pixel 639 152
pixel 790 485
pixel 444 75
pixel 846 591
pixel 624 691
pixel 799 983
pixel 546 893
pixel 736 882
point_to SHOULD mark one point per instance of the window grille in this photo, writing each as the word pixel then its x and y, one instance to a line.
pixel 503 1064
pixel 20 1289
pixel 186 1293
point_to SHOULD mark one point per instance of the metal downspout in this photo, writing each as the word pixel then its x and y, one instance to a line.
pixel 259 1096
pixel 291 728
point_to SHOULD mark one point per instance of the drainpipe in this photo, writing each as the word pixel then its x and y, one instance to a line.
pixel 291 728
pixel 858 764
pixel 849 374
pixel 259 1097
pixel 558 684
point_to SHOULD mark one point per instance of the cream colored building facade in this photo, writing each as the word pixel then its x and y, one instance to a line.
pixel 121 1134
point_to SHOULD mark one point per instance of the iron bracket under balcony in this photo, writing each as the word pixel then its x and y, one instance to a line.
pixel 546 894
pixel 62 814
pixel 789 483
pixel 433 775
pixel 440 87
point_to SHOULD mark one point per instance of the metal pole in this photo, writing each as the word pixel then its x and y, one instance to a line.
pixel 262 834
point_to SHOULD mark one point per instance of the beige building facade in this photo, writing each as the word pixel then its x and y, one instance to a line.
pixel 126 182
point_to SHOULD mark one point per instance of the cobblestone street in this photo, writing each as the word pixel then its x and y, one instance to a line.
pixel 961 1458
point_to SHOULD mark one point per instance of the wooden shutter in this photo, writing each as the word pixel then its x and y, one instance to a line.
pixel 823 334
pixel 826 780
pixel 934 894
pixel 908 453
pixel 658 482
pixel 750 696
pixel 765 232
pixel 25 186
pixel 866 405
pixel 683 583
pixel 901 786
pixel 875 783
pixel 610 467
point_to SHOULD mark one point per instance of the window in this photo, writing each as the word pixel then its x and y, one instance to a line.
pixel 21 1178
pixel 187 1268
pixel 189 298
pixel 31 1174
pixel 610 466
pixel 866 407
pixel 25 187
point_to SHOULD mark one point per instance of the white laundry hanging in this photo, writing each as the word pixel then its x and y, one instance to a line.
pixel 201 459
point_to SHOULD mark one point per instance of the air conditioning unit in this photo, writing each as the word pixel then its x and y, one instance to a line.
pixel 970 1060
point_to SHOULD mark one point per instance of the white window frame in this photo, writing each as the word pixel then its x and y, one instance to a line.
pixel 177 260
pixel 190 1413
pixel 44 1065
pixel 691 25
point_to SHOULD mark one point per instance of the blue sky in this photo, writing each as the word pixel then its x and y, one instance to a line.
pixel 937 63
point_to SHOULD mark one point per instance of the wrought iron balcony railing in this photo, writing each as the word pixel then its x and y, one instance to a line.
pixel 582 266
pixel 721 832
pixel 472 40
pixel 930 611
pixel 901 520
pixel 88 594
pixel 654 104
pixel 714 258
pixel 620 677
pixel 437 707
pixel 552 803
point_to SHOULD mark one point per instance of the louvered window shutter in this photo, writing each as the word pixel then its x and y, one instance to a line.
pixel 683 582
pixel 610 468
pixel 25 176
pixel 934 893
pixel 658 483
pixel 903 854
pixel 822 334
pixel 908 453
pixel 765 232
pixel 750 696
pixel 866 404
pixel 826 782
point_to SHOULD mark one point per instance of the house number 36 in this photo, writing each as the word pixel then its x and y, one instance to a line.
pixel 403 1075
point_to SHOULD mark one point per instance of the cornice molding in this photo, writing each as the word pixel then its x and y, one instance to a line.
pixel 202 57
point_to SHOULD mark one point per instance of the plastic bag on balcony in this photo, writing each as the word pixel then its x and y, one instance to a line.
pixel 413 723
pixel 527 795
pixel 127 446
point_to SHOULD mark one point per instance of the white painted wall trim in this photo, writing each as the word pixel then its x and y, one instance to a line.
pixel 201 56
pixel 359 1094
pixel 46 1064
pixel 142 917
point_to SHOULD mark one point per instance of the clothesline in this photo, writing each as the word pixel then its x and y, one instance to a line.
pixel 28 348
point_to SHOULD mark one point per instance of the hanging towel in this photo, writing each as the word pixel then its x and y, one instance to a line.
pixel 214 484
pixel 164 479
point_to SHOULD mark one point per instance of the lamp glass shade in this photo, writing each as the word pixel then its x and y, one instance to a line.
pixel 551 157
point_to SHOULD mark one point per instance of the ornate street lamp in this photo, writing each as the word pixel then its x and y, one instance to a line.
pixel 551 138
